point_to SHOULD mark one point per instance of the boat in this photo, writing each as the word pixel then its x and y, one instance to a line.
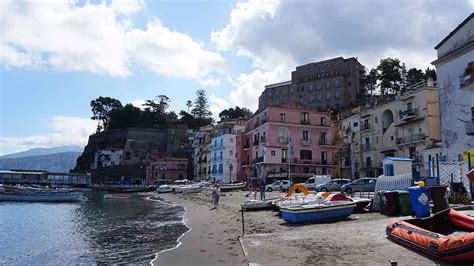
pixel 117 196
pixel 447 235
pixel 37 195
pixel 164 189
pixel 252 204
pixel 361 203
pixel 191 189
pixel 232 186
pixel 318 212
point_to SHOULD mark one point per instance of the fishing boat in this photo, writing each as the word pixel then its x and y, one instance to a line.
pixel 253 204
pixel 447 235
pixel 38 195
pixel 232 186
pixel 164 189
pixel 318 212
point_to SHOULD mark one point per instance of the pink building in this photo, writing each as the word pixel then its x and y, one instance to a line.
pixel 162 169
pixel 265 149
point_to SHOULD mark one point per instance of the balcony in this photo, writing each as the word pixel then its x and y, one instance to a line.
pixel 367 147
pixel 466 81
pixel 409 114
pixel 257 160
pixel 283 160
pixel 325 142
pixel 305 122
pixel 306 141
pixel 246 145
pixel 283 140
pixel 365 126
pixel 263 140
pixel 469 127
pixel 245 163
pixel 368 164
pixel 411 138
pixel 255 142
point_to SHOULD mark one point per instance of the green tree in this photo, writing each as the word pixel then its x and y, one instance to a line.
pixel 200 110
pixel 371 80
pixel 236 112
pixel 156 111
pixel 414 76
pixel 101 109
pixel 128 116
pixel 392 75
pixel 430 73
pixel 189 104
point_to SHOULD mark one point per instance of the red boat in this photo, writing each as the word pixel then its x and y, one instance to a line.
pixel 447 235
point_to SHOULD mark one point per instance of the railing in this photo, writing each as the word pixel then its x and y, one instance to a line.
pixel 305 122
pixel 257 160
pixel 282 140
pixel 365 126
pixel 409 114
pixel 245 162
pixel 246 145
pixel 411 138
pixel 255 143
pixel 263 140
pixel 367 147
pixel 469 127
pixel 325 142
pixel 306 141
pixel 284 160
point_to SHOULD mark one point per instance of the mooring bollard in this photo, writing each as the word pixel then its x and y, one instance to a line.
pixel 243 224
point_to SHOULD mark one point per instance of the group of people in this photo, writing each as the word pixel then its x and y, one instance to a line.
pixel 216 192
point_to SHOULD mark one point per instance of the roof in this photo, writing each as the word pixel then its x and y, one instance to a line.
pixel 454 31
pixel 399 159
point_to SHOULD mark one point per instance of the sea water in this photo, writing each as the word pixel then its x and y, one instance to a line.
pixel 94 231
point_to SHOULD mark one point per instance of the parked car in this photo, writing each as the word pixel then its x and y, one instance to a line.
pixel 316 180
pixel 333 185
pixel 363 185
pixel 279 185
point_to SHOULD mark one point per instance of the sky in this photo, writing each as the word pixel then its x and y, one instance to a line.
pixel 57 56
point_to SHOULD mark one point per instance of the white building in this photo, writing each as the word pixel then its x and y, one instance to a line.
pixel 455 73
pixel 106 158
pixel 223 161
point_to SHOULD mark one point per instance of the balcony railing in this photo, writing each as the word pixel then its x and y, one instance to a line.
pixel 282 140
pixel 255 143
pixel 325 142
pixel 245 162
pixel 263 140
pixel 257 160
pixel 306 141
pixel 365 126
pixel 284 160
pixel 367 147
pixel 408 114
pixel 411 138
pixel 469 127
pixel 246 145
pixel 305 122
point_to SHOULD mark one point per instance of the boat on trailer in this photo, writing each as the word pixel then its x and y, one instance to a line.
pixel 318 212
pixel 447 235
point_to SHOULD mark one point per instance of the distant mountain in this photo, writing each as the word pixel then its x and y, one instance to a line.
pixel 43 151
pixel 56 162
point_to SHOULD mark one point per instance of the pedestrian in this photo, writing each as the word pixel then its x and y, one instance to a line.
pixel 262 190
pixel 216 193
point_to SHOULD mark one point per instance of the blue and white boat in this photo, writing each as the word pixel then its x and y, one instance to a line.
pixel 318 212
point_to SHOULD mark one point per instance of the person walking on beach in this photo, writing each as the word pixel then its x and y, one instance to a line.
pixel 262 190
pixel 216 193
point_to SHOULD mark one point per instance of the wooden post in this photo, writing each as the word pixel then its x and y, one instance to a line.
pixel 243 223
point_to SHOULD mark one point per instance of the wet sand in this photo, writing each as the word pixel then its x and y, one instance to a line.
pixel 269 240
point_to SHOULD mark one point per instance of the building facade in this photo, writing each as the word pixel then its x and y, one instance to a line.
pixel 405 127
pixel 223 147
pixel 330 84
pixel 288 137
pixel 201 152
pixel 455 74
pixel 162 168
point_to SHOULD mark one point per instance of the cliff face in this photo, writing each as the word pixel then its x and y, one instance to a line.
pixel 136 144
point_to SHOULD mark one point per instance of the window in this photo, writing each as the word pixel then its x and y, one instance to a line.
pixel 323 121
pixel 284 153
pixel 231 140
pixel 221 168
pixel 324 157
pixel 349 83
pixel 319 97
pixel 319 86
pixel 336 94
pixel 305 117
pixel 301 98
pixel 310 87
pixel 409 106
pixel 377 140
pixel 221 155
pixel 355 124
pixel 282 135
pixel 322 138
pixel 328 84
pixel 368 161
pixel 273 153
pixel 337 83
pixel 305 135
pixel 282 118
pixel 222 142
pixel 231 153
pixel 391 138
pixel 328 96
pixel 306 154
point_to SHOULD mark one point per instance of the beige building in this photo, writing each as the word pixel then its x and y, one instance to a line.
pixel 405 127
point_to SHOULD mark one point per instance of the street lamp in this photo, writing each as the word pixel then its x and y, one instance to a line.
pixel 230 172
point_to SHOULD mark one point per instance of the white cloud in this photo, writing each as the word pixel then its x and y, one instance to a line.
pixel 138 103
pixel 97 38
pixel 217 104
pixel 66 131
pixel 274 32
pixel 172 53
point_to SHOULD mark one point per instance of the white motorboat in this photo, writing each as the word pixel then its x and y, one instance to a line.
pixel 164 189
pixel 37 195
pixel 299 200
pixel 252 204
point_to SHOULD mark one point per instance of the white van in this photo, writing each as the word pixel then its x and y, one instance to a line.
pixel 315 180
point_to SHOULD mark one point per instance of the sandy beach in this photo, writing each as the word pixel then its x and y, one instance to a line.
pixel 216 238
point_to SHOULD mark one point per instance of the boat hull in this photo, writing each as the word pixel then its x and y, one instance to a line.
pixel 320 213
pixel 414 234
pixel 46 197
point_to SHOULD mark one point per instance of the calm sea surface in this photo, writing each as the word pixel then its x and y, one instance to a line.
pixel 95 231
